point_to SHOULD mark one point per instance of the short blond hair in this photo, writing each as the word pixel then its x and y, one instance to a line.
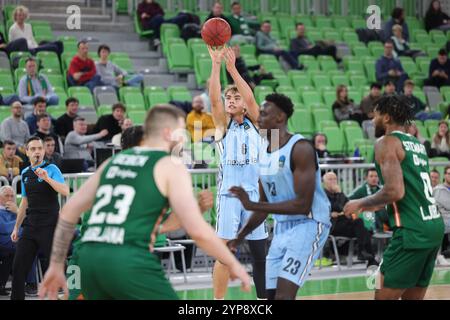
pixel 397 27
pixel 21 9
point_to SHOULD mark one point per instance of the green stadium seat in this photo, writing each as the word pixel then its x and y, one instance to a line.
pixel 423 64
pixel 358 81
pixel 432 126
pixel 432 50
pixel 376 49
pixel 321 81
pixel 124 63
pixel 248 49
pixel 311 98
pixel 157 97
pixel 56 80
pixel 6 81
pixel 409 65
pixel 134 98
pixel 179 58
pixel 49 60
pixel 329 97
pixel 338 80
pixel 301 122
pixel 179 93
pixel 335 139
pixel 323 22
pixel 137 116
pixel 340 22
pixel 18 74
pixel 355 95
pixel 367 152
pixel 321 117
pixel 323 124
pixel 82 94
pixel 358 23
pixel 420 95
pixel 138 28
pixel 352 134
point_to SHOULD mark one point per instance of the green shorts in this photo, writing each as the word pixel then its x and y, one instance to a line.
pixel 407 268
pixel 110 272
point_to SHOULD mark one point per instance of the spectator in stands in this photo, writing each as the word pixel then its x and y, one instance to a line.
pixel 435 177
pixel 415 132
pixel 397 18
pixel 440 145
pixel 240 26
pixel 343 226
pixel 421 111
pixel 44 124
pixel 14 128
pixel 51 156
pixel 217 12
pixel 64 124
pixel 15 45
pixel 9 162
pixel 320 144
pixel 389 88
pixel 20 29
pixel 111 122
pixel 33 85
pixel 439 71
pixel 268 45
pixel 345 108
pixel 368 103
pixel 369 187
pixel 367 106
pixel 127 123
pixel 435 18
pixel 151 15
pixel 442 196
pixel 401 45
pixel 112 75
pixel 78 145
pixel 198 122
pixel 8 216
pixel 301 45
pixel 390 68
pixel 9 99
pixel 82 71
pixel 39 107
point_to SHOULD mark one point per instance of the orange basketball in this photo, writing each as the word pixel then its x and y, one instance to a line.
pixel 216 32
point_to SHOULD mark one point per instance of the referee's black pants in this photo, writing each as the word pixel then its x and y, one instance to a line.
pixel 34 240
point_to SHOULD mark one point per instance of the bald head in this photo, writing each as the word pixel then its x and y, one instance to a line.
pixel 197 104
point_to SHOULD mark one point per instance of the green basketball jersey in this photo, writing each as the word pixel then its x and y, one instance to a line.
pixel 416 212
pixel 128 206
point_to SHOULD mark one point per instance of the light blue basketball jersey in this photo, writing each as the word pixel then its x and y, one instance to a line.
pixel 278 183
pixel 239 156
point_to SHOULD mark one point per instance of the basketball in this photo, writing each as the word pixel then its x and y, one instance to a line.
pixel 216 32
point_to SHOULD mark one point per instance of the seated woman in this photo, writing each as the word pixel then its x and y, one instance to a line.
pixel 401 46
pixel 344 108
pixel 15 45
pixel 414 131
pixel 440 145
pixel 435 18
pixel 20 30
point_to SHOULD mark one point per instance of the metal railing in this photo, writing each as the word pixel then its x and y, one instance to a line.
pixel 349 176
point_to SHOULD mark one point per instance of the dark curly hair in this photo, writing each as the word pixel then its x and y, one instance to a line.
pixel 398 107
pixel 283 102
pixel 131 137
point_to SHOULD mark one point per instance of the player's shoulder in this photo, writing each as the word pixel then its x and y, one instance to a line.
pixel 25 170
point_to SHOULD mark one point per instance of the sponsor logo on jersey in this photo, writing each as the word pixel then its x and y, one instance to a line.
pixel 130 160
pixel 281 162
pixel 246 126
pixel 244 148
pixel 116 172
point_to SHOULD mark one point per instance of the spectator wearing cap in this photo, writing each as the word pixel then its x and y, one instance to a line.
pixel 78 145
pixel 33 85
pixel 389 88
pixel 44 124
pixel 439 71
pixel 112 75
pixel 111 122
pixel 82 70
pixel 64 124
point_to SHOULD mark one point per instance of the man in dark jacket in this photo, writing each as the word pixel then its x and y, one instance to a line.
pixel 439 71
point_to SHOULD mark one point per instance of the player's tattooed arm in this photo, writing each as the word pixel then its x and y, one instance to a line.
pixel 304 171
pixel 64 233
pixel 388 154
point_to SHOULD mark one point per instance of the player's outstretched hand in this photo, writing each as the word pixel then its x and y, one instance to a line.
pixel 54 280
pixel 237 271
pixel 353 206
pixel 216 54
pixel 242 195
pixel 230 58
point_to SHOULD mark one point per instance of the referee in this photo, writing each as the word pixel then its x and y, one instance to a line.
pixel 38 210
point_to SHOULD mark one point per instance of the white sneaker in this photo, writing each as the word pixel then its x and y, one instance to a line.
pixel 442 261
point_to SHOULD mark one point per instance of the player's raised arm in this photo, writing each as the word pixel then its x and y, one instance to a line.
pixel 243 87
pixel 215 90
pixel 388 154
pixel 304 158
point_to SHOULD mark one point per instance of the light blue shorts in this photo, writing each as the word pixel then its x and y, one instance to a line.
pixel 231 217
pixel 295 247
